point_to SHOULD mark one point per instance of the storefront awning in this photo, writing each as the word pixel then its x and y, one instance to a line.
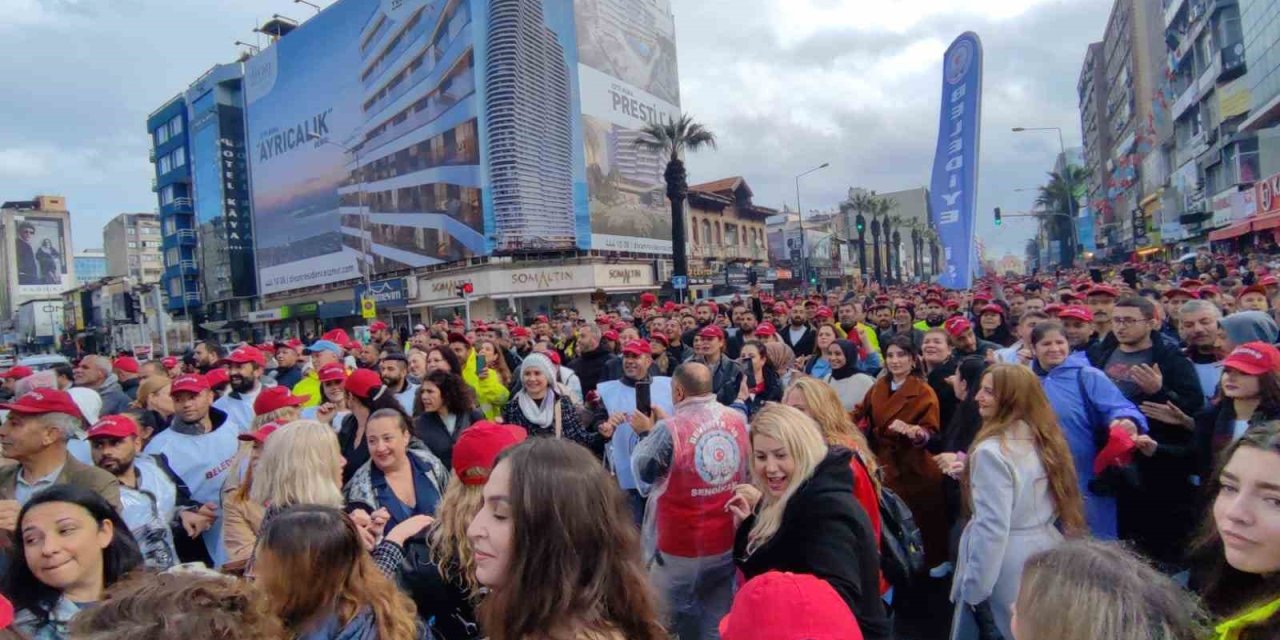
pixel 1269 221
pixel 1232 231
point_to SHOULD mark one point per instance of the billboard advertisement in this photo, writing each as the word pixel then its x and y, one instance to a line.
pixel 953 190
pixel 398 134
pixel 40 248
pixel 628 78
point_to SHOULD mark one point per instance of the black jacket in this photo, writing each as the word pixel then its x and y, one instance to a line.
pixel 288 376
pixel 590 368
pixel 430 429
pixel 805 345
pixel 726 380
pixel 1158 514
pixel 772 391
pixel 825 533
pixel 130 387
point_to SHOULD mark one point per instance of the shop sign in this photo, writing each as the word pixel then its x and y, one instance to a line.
pixel 737 275
pixel 388 294
pixel 624 275
pixel 268 315
pixel 302 310
pixel 1221 205
pixel 1267 195
pixel 543 279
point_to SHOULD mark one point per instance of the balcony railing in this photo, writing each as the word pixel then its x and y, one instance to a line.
pixel 728 252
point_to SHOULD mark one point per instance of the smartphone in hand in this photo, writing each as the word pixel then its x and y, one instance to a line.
pixel 643 402
pixel 751 373
pixel 480 363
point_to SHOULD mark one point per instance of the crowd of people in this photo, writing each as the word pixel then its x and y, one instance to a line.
pixel 1088 454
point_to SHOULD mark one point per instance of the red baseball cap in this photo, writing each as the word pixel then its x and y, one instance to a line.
pixel 192 382
pixel 41 401
pixel 611 335
pixel 362 383
pixel 217 376
pixel 455 336
pixel 778 605
pixel 378 326
pixel 113 427
pixel 982 297
pixel 637 348
pixel 603 321
pixel 1190 284
pixel 1103 290
pixel 953 304
pixel 1268 281
pixel 520 332
pixel 1179 292
pixel 331 372
pixel 956 326
pixel 780 308
pixel 17 373
pixel 992 308
pixel 478 447
pixel 169 362
pixel 765 329
pixel 541 318
pixel 127 364
pixel 647 299
pixel 554 357
pixel 246 354
pixel 260 434
pixel 822 312
pixel 1208 290
pixel 711 331
pixel 352 345
pixel 293 343
pixel 1076 312
pixel 659 337
pixel 267 347
pixel 274 398
pixel 1253 358
pixel 337 336
pixel 1257 288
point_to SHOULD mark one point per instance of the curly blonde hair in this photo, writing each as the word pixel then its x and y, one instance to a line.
pixel 450 548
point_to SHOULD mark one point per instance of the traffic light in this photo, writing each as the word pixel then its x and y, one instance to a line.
pixel 861 224
pixel 464 289
pixel 998 220
pixel 813 275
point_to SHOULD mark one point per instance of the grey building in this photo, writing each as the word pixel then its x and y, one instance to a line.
pixel 132 243
pixel 1260 20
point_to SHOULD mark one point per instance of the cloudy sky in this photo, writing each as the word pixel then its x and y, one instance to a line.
pixel 785 84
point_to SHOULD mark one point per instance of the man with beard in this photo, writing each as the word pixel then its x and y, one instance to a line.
pixel 148 497
pixel 94 372
pixel 852 319
pixel 198 449
pixel 934 314
pixel 882 316
pixel 745 323
pixel 245 374
pixel 394 370
pixel 964 341
pixel 207 355
pixel 592 360
pixel 1199 323
pixel 703 314
pixel 618 400
pixel 367 356
pixel 288 373
pixel 798 335
pixel 379 334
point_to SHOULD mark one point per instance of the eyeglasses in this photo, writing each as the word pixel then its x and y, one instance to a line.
pixel 1126 321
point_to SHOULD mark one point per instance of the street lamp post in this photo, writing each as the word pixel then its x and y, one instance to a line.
pixel 365 267
pixel 804 262
pixel 1066 183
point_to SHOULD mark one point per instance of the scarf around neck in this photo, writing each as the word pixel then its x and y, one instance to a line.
pixel 540 414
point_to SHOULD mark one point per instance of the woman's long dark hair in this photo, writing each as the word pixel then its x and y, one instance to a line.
pixel 1268 396
pixel 575 562
pixel 449 357
pixel 1226 590
pixel 455 393
pixel 119 558
pixel 382 399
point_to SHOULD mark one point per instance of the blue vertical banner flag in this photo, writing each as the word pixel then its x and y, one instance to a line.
pixel 953 194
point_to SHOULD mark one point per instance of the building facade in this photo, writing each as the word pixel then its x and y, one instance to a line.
pixel 173 187
pixel 132 244
pixel 1260 21
pixel 90 266
pixel 35 250
pixel 726 230
pixel 1094 124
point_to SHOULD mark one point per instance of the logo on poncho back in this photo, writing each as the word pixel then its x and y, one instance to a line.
pixel 716 457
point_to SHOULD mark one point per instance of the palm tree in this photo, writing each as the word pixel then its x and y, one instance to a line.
pixel 880 212
pixel 672 139
pixel 862 202
pixel 1057 200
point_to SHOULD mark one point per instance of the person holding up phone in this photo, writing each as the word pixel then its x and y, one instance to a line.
pixel 760 381
pixel 620 399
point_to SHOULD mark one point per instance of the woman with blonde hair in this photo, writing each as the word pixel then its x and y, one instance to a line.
pixel 799 515
pixel 1022 490
pixel 1087 590
pixel 820 402
pixel 318 578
